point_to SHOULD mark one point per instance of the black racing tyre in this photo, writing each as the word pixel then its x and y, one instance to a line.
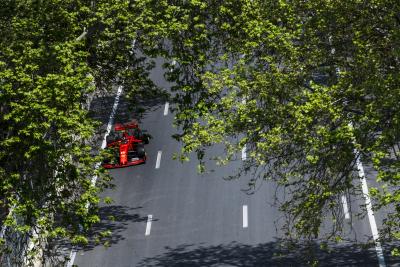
pixel 140 150
pixel 109 139
pixel 146 139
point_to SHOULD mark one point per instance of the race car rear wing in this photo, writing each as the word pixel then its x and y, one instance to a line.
pixel 125 126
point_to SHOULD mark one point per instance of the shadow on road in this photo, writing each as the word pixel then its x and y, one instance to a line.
pixel 127 108
pixel 114 218
pixel 137 109
pixel 268 254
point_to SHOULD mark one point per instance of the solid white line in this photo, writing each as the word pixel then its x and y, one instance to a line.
pixel 166 108
pixel 345 207
pixel 71 258
pixel 112 115
pixel 371 217
pixel 103 145
pixel 361 175
pixel 244 154
pixel 109 126
pixel 158 159
pixel 148 224
pixel 245 217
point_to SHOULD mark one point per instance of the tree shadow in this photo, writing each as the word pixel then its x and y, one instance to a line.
pixel 128 110
pixel 116 219
pixel 129 106
pixel 138 108
pixel 268 254
pixel 113 218
pixel 101 107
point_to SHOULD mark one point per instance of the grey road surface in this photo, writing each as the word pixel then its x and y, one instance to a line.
pixel 166 214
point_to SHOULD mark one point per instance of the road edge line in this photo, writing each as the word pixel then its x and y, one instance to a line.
pixel 103 145
pixel 371 217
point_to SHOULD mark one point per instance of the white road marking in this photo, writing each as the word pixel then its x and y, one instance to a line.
pixel 244 149
pixel 158 159
pixel 364 186
pixel 345 207
pixel 368 204
pixel 148 224
pixel 103 145
pixel 173 63
pixel 371 217
pixel 72 256
pixel 112 115
pixel 244 154
pixel 245 217
pixel 166 108
pixel 80 37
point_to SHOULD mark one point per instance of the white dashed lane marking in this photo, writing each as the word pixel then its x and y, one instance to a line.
pixel 158 161
pixel 244 149
pixel 244 155
pixel 148 224
pixel 245 217
pixel 166 109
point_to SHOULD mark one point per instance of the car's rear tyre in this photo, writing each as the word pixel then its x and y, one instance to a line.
pixel 110 139
pixel 140 150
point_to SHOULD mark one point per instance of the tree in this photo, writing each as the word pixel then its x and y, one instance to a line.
pixel 54 55
pixel 303 84
pixel 258 73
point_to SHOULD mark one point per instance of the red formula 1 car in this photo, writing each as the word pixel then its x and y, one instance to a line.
pixel 126 146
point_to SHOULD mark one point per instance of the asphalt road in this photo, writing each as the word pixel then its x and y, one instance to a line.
pixel 166 214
